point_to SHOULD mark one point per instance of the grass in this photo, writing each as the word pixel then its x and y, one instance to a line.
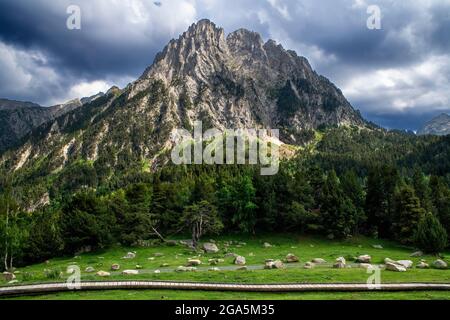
pixel 306 248
pixel 214 295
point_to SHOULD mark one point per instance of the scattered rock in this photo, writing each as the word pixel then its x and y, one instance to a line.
pixel 186 269
pixel 365 265
pixel 291 258
pixel 271 264
pixel 130 272
pixel 164 265
pixel 387 260
pixel 395 267
pixel 89 270
pixel 267 245
pixel 417 254
pixel 8 276
pixel 364 259
pixel 171 243
pixel 405 263
pixel 210 247
pixel 240 260
pixel 309 265
pixel 440 264
pixel 151 259
pixel 423 265
pixel 377 246
pixel 318 261
pixel 157 271
pixel 130 255
pixel 339 265
pixel 115 267
pixel 193 262
pixel 103 274
pixel 341 260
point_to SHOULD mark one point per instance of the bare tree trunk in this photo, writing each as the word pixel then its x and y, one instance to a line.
pixel 158 234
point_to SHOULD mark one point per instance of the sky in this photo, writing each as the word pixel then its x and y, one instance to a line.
pixel 397 76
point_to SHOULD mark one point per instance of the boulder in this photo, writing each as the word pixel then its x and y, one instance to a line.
pixel 423 265
pixel 130 255
pixel 89 270
pixel 130 272
pixel 387 260
pixel 291 258
pixel 364 259
pixel 115 267
pixel 8 276
pixel 365 265
pixel 240 261
pixel 341 260
pixel 405 263
pixel 417 254
pixel 395 267
pixel 440 264
pixel 193 262
pixel 103 274
pixel 309 265
pixel 210 247
pixel 318 261
pixel 339 265
pixel 267 245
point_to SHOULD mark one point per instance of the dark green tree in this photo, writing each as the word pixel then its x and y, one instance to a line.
pixel 430 236
pixel 408 213
pixel 201 218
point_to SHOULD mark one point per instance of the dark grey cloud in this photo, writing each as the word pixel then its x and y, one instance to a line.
pixel 396 76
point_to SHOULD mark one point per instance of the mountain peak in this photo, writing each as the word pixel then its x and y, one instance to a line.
pixel 439 125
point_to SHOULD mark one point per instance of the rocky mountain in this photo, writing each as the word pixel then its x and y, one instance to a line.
pixel 18 118
pixel 234 81
pixel 439 126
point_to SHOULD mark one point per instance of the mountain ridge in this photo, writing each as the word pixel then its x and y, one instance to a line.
pixel 439 125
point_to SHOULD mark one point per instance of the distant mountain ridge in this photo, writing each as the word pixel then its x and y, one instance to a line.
pixel 19 118
pixel 439 126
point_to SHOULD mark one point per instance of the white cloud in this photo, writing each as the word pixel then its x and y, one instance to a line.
pixel 416 88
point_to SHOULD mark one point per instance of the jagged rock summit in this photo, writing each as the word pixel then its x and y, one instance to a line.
pixel 439 126
pixel 233 81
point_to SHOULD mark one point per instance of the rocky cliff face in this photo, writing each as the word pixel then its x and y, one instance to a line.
pixel 234 81
pixel 439 126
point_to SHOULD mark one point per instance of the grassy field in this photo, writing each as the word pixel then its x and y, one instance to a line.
pixel 168 258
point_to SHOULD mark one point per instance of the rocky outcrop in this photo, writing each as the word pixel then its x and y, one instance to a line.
pixel 439 126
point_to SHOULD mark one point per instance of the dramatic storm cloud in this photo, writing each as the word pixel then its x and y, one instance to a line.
pixel 397 76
